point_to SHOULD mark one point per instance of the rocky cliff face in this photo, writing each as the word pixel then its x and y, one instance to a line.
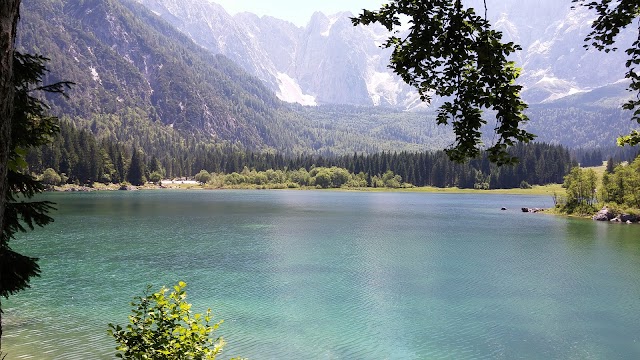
pixel 554 61
pixel 330 61
pixel 215 30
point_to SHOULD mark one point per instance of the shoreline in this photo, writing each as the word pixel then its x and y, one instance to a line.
pixel 536 190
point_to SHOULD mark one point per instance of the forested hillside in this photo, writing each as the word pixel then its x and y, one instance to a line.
pixel 143 88
pixel 140 82
pixel 79 158
pixel 130 66
pixel 579 126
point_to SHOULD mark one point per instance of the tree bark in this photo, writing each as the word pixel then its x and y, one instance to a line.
pixel 9 13
pixel 9 10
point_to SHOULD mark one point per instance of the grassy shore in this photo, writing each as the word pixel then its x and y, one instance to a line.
pixel 535 190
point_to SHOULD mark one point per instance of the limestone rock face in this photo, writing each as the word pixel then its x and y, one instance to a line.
pixel 331 61
pixel 211 27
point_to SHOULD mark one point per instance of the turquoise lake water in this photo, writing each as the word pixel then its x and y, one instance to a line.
pixel 335 275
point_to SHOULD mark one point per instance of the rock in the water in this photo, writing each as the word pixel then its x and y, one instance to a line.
pixel 625 218
pixel 628 218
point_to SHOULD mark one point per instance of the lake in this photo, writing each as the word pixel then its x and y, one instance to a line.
pixel 335 275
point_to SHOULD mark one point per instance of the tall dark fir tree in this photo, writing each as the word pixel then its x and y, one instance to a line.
pixel 9 13
pixel 135 175
pixel 31 127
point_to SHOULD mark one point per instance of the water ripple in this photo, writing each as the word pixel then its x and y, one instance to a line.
pixel 320 275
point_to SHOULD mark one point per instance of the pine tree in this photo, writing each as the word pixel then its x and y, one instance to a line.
pixel 610 166
pixel 135 175
pixel 9 13
pixel 31 127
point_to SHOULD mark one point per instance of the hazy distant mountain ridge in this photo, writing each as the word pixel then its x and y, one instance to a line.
pixel 331 61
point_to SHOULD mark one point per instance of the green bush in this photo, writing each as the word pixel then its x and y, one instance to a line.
pixel 391 180
pixel 524 185
pixel 203 177
pixel 50 177
pixel 155 177
pixel 162 327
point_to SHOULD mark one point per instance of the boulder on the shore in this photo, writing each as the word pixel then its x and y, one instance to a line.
pixel 621 218
pixel 604 215
pixel 625 218
pixel 628 218
pixel 78 188
pixel 531 210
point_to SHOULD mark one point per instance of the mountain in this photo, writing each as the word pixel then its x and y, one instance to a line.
pixel 554 61
pixel 127 62
pixel 327 62
pixel 331 61
pixel 142 82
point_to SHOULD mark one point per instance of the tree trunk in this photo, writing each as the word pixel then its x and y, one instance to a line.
pixel 9 12
pixel 8 21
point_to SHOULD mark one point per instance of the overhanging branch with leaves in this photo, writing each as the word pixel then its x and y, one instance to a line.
pixel 452 52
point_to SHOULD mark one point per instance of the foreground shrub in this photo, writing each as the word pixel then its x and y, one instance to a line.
pixel 162 327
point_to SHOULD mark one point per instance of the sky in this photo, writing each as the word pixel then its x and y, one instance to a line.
pixel 297 11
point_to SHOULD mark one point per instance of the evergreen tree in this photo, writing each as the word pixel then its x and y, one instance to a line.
pixel 135 175
pixel 610 166
pixel 31 127
pixel 9 14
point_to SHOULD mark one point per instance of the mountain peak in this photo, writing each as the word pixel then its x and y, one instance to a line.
pixel 331 61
